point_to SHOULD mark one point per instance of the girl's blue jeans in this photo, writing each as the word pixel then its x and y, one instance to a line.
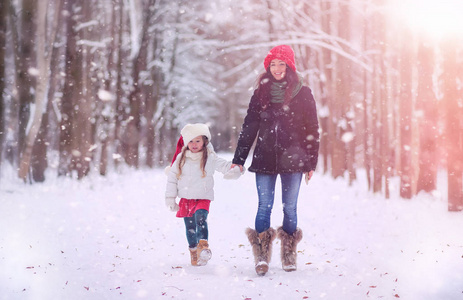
pixel 290 184
pixel 196 227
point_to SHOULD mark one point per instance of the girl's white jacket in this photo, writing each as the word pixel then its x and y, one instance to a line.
pixel 191 184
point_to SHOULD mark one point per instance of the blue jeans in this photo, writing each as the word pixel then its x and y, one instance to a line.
pixel 290 184
pixel 196 227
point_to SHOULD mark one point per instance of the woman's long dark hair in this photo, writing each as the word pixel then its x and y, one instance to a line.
pixel 264 82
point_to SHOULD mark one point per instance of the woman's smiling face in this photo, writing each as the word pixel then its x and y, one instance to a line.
pixel 278 69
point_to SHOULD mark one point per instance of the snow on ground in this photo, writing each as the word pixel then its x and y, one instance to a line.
pixel 113 238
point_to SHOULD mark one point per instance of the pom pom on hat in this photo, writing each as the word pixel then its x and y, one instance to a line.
pixel 190 131
pixel 178 149
pixel 281 52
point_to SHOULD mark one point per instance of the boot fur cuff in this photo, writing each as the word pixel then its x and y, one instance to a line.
pixel 293 238
pixel 261 244
pixel 256 238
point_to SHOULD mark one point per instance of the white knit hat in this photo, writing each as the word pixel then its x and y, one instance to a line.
pixel 190 131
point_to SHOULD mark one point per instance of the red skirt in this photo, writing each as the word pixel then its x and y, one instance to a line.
pixel 189 206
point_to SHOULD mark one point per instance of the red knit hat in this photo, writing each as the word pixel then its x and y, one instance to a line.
pixel 281 52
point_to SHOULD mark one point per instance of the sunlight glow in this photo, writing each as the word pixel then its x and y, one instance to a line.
pixel 436 18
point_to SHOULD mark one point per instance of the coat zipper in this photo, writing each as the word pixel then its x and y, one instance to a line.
pixel 276 146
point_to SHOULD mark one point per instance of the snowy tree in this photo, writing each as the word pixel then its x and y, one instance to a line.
pixel 124 76
pixel 3 29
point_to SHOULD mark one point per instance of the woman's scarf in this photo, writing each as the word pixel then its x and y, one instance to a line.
pixel 278 89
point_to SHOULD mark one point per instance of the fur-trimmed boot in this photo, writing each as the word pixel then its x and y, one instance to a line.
pixel 289 248
pixel 261 248
pixel 194 256
pixel 203 252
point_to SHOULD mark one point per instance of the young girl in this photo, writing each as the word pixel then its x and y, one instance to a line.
pixel 191 179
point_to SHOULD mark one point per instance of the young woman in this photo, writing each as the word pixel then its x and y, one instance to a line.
pixel 282 116
pixel 191 178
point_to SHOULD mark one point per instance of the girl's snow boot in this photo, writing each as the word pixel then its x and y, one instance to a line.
pixel 194 256
pixel 261 248
pixel 204 254
pixel 288 248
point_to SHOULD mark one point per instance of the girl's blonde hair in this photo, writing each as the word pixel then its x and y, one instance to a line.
pixel 202 165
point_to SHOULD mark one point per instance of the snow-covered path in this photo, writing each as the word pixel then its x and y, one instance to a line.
pixel 113 238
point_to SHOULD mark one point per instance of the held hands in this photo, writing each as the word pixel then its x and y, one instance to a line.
pixel 308 176
pixel 234 172
pixel 171 204
pixel 240 166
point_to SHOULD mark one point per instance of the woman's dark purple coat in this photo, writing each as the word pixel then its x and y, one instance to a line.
pixel 287 139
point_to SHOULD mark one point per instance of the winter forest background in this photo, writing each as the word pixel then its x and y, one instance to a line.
pixel 95 86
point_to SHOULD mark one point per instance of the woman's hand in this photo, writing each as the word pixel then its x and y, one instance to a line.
pixel 308 176
pixel 240 166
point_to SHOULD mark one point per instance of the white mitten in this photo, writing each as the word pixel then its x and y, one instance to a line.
pixel 234 173
pixel 171 204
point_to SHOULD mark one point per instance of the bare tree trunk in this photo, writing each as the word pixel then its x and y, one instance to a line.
pixel 367 136
pixel 3 26
pixel 384 142
pixel 39 162
pixel 120 114
pixel 71 90
pixel 151 105
pixel 327 78
pixel 384 139
pixel 454 127
pixel 379 112
pixel 107 118
pixel 376 131
pixel 347 137
pixel 66 107
pixel 337 122
pixel 24 48
pixel 334 102
pixel 43 61
pixel 133 134
pixel 427 104
pixel 406 109
pixel 84 101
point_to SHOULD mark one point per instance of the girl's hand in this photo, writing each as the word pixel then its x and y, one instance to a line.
pixel 240 166
pixel 171 204
pixel 308 176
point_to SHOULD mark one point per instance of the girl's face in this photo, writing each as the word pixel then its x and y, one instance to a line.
pixel 196 144
pixel 278 69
